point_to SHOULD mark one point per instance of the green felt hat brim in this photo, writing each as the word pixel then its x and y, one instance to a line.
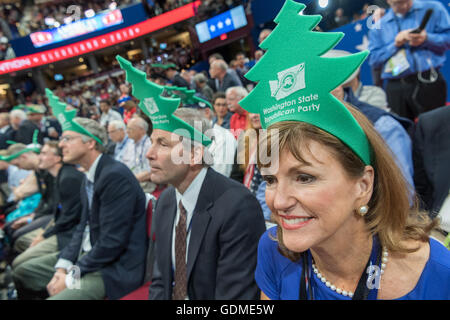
pixel 158 108
pixel 66 117
pixel 18 154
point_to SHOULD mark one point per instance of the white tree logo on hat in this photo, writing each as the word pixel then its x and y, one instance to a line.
pixel 289 81
pixel 151 106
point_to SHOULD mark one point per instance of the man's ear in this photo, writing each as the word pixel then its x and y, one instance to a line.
pixel 91 144
pixel 197 155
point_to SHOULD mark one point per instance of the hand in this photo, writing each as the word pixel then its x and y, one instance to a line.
pixel 57 284
pixel 19 223
pixel 402 37
pixel 417 39
pixel 36 240
pixel 17 194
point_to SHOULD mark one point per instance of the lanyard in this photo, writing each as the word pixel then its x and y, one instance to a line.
pixel 433 74
pixel 407 46
pixel 122 145
pixel 306 290
pixel 142 145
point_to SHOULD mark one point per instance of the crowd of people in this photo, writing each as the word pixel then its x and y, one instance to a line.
pixel 19 21
pixel 85 93
pixel 96 203
pixel 43 16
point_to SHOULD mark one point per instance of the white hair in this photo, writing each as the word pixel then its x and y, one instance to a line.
pixel 141 123
pixel 17 113
pixel 118 125
pixel 221 64
pixel 241 92
pixel 200 77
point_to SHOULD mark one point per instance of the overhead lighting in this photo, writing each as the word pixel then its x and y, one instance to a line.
pixel 323 3
pixel 67 20
pixel 49 21
pixel 89 13
pixel 4 88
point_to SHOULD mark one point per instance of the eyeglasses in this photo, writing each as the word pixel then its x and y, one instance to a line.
pixel 66 139
pixel 112 131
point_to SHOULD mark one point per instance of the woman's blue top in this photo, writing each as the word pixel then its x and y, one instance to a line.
pixel 279 278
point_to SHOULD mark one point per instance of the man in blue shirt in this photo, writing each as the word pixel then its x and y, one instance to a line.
pixel 117 134
pixel 410 62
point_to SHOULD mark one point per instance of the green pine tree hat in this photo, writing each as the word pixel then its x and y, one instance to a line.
pixel 66 117
pixel 15 149
pixel 22 107
pixel 35 108
pixel 158 108
pixel 187 96
pixel 31 108
pixel 164 66
pixel 295 81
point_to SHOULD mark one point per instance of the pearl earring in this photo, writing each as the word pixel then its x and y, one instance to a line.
pixel 363 210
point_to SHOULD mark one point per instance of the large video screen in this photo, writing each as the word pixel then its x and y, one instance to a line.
pixel 84 26
pixel 225 22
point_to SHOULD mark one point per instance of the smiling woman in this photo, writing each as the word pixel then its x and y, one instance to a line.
pixel 333 213
pixel 313 154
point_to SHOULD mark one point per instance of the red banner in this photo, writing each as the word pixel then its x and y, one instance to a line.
pixel 100 42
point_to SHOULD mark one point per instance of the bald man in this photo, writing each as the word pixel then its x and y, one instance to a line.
pixel 134 156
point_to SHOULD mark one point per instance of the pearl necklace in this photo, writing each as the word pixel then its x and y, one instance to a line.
pixel 345 293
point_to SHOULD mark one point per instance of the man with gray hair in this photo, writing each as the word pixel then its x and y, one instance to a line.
pixel 238 121
pixel 117 134
pixel 218 70
pixel 212 218
pixel 134 156
pixel 16 117
pixel 107 253
pixel 223 147
pixel 201 83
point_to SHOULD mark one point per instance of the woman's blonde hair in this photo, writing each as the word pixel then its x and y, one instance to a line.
pixel 390 214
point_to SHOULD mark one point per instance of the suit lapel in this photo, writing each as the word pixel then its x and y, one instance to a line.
pixel 200 220
pixel 93 216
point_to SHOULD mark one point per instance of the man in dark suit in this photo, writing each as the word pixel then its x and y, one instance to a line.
pixel 431 155
pixel 51 129
pixel 217 219
pixel 106 255
pixel 219 71
pixel 174 76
